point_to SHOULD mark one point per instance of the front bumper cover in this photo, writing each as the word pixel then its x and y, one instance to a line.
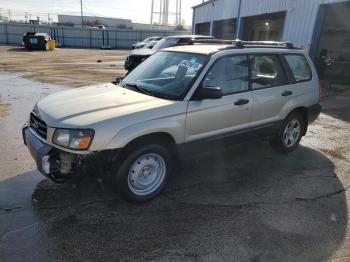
pixel 48 159
pixel 45 156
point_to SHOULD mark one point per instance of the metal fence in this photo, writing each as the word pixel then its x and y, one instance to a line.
pixel 12 33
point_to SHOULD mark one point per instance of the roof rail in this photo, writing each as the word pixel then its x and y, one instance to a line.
pixel 210 41
pixel 269 43
pixel 241 44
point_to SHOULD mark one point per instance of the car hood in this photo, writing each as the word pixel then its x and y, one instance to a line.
pixel 84 107
pixel 143 52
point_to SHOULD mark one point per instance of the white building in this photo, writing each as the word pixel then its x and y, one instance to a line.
pixel 312 24
pixel 94 20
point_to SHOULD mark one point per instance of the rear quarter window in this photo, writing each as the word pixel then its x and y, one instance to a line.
pixel 300 68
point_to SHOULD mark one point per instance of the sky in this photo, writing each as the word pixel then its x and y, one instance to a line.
pixel 136 10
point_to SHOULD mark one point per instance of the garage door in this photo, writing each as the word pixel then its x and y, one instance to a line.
pixel 203 29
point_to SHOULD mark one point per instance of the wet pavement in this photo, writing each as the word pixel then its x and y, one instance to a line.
pixel 238 203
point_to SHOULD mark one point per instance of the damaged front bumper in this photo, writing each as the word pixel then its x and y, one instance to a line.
pixel 47 157
pixel 61 166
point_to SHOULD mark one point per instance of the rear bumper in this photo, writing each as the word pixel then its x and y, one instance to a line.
pixel 313 112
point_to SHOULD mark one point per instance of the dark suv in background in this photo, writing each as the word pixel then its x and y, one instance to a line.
pixel 136 57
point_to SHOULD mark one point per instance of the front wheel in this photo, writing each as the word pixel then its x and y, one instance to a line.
pixel 290 134
pixel 144 172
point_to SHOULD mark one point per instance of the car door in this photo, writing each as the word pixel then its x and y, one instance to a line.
pixel 207 118
pixel 272 96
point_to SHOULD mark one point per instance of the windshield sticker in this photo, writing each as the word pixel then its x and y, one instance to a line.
pixel 189 64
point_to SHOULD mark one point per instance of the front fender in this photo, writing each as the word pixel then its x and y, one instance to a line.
pixel 174 127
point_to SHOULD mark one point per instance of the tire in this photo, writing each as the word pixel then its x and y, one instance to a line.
pixel 144 172
pixel 290 134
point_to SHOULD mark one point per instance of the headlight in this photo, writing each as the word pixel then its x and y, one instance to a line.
pixel 73 138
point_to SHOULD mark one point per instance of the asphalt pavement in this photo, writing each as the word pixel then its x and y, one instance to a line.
pixel 236 203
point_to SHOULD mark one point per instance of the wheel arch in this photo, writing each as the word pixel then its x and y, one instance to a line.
pixel 162 138
pixel 304 113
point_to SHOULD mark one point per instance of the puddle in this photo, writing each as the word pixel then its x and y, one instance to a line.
pixel 4 110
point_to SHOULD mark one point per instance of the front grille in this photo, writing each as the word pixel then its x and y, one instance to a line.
pixel 135 60
pixel 38 125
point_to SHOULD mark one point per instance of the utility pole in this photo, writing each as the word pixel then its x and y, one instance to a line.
pixel 180 12
pixel 81 13
pixel 9 12
pixel 177 13
pixel 152 12
pixel 0 13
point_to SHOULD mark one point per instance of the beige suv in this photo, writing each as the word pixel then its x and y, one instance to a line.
pixel 180 99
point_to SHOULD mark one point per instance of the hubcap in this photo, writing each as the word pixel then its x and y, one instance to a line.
pixel 146 174
pixel 291 133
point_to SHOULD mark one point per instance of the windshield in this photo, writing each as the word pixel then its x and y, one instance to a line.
pixel 147 39
pixel 167 75
pixel 166 42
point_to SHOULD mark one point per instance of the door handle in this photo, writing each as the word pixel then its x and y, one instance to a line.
pixel 287 93
pixel 241 102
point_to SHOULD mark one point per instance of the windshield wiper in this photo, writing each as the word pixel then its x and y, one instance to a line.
pixel 149 92
pixel 139 88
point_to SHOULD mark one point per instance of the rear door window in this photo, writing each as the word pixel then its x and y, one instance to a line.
pixel 300 67
pixel 266 71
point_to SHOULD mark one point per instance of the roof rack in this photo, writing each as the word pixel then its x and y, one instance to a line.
pixel 268 43
pixel 242 44
pixel 210 41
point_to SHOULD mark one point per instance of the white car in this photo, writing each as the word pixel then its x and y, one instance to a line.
pixel 143 43
pixel 181 99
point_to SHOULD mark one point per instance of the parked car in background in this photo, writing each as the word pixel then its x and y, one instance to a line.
pixel 151 44
pixel 136 57
pixel 142 44
pixel 182 99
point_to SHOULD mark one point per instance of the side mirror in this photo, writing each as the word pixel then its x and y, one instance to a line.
pixel 209 93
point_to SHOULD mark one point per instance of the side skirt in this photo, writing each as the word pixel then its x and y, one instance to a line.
pixel 262 132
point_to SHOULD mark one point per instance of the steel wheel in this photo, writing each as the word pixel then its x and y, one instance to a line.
pixel 292 133
pixel 146 174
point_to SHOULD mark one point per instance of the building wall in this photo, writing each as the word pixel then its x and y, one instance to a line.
pixel 140 26
pixel 300 14
pixel 108 22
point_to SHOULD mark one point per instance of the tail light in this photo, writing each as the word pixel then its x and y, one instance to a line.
pixel 321 91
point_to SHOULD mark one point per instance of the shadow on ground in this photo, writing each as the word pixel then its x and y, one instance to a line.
pixel 337 104
pixel 21 49
pixel 244 203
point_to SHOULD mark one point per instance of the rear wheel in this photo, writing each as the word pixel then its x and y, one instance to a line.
pixel 290 134
pixel 144 172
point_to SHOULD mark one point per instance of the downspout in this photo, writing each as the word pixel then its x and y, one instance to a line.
pixel 238 23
